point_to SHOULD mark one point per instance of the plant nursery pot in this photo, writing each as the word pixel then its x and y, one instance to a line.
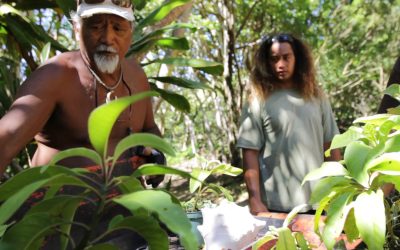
pixel 196 219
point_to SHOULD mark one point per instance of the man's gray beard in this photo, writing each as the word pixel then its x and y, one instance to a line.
pixel 105 63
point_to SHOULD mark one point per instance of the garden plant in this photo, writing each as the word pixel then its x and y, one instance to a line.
pixel 54 215
pixel 350 191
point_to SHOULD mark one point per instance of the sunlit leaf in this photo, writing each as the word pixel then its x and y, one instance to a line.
pixel 102 119
pixel 371 220
pixel 167 208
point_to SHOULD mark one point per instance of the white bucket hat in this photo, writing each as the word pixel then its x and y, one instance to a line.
pixel 105 7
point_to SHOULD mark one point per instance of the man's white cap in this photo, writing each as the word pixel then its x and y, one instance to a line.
pixel 106 7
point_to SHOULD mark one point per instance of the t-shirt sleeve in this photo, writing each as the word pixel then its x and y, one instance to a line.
pixel 328 121
pixel 250 131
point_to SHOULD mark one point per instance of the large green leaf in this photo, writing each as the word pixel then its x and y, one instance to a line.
pixel 63 206
pixel 286 241
pixel 142 42
pixel 177 43
pixel 181 82
pixel 385 162
pixel 67 6
pixel 32 175
pixel 373 119
pixel 76 152
pixel 25 234
pixel 393 90
pixel 128 184
pixel 12 204
pixel 167 209
pixel 161 12
pixel 327 185
pixel 392 144
pixel 223 168
pixel 342 140
pixel 143 139
pixel 350 230
pixel 199 176
pixel 355 158
pixel 148 227
pixel 177 101
pixel 154 169
pixel 327 169
pixel 209 67
pixel 102 119
pixel 336 217
pixel 369 211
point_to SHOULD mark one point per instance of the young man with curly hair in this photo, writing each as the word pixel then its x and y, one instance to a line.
pixel 285 127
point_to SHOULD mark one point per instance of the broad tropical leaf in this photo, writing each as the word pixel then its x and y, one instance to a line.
pixel 167 209
pixel 102 119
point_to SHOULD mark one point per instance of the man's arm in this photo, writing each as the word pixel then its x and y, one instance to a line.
pixel 28 114
pixel 252 180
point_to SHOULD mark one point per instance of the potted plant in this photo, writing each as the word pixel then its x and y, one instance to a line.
pixel 54 215
pixel 201 190
pixel 350 191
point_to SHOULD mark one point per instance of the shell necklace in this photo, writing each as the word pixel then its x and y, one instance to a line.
pixel 110 89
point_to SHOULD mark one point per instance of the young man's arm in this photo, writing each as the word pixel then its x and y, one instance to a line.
pixel 252 180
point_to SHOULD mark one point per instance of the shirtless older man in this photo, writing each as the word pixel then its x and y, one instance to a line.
pixel 54 103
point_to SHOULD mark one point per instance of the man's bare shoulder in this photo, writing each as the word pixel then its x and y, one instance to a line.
pixel 134 75
pixel 54 73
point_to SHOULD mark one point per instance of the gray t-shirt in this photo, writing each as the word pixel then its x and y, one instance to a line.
pixel 290 133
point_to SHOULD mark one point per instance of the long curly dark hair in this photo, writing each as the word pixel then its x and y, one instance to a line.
pixel 263 81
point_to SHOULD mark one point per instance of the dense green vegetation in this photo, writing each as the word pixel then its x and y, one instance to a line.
pixel 355 44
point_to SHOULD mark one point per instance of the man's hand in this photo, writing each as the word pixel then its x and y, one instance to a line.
pixel 153 156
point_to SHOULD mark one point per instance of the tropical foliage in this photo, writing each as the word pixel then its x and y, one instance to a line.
pixel 54 214
pixel 348 188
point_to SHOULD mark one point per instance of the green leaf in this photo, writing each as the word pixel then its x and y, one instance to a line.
pixel 128 184
pixel 177 43
pixel 181 82
pixel 102 119
pixel 265 239
pixel 161 12
pixel 336 217
pixel 177 101
pixel 26 233
pixel 143 139
pixel 301 241
pixel 392 144
pixel 213 68
pixel 394 91
pixel 349 228
pixel 223 168
pixel 342 140
pixel 329 168
pixel 373 119
pixel 286 241
pixel 371 219
pixel 199 175
pixel 44 55
pixel 8 208
pixel 32 175
pixel 328 185
pixel 154 169
pixel 63 206
pixel 385 162
pixel 355 158
pixel 147 227
pixel 293 214
pixel 76 152
pixel 382 179
pixel 167 209
pixel 67 6
pixel 221 190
